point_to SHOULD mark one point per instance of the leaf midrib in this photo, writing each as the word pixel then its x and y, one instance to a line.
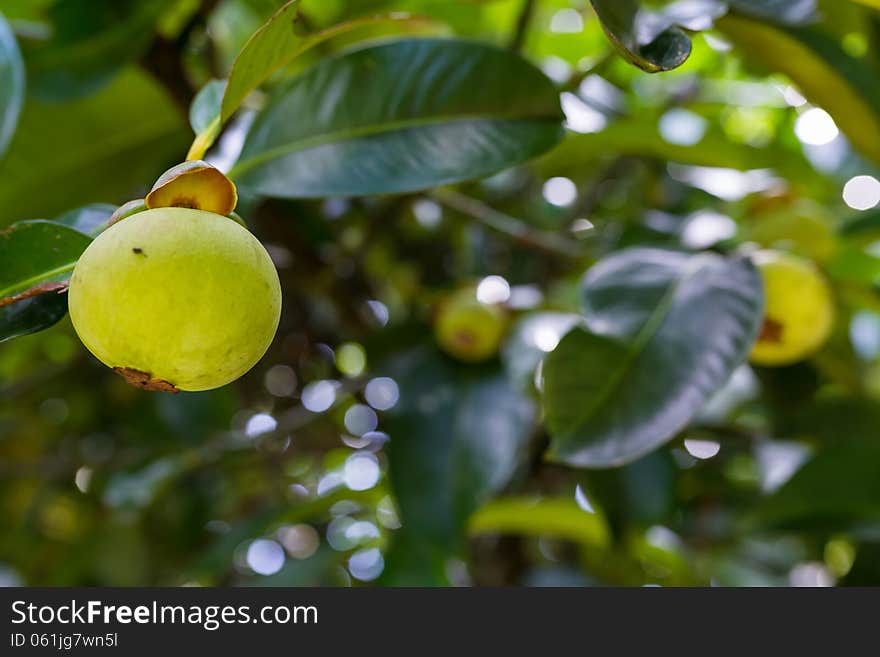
pixel 28 283
pixel 648 331
pixel 372 130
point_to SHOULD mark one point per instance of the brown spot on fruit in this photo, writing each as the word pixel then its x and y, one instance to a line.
pixel 466 338
pixel 145 380
pixel 771 331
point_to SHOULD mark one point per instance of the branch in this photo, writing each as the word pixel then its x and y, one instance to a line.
pixel 164 59
pixel 510 226
pixel 522 25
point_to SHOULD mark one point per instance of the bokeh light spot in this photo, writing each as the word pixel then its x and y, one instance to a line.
pixel 862 192
pixel 361 471
pixel 816 127
pixel 259 424
pixel 382 393
pixel 560 191
pixel 492 290
pixel 360 419
pixel 351 359
pixel 280 381
pixel 265 557
pixel 682 127
pixel 366 565
pixel 318 396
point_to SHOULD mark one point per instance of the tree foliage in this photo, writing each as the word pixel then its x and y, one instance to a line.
pixel 600 172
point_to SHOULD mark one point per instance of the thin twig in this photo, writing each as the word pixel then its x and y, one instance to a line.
pixel 522 25
pixel 504 223
pixel 164 58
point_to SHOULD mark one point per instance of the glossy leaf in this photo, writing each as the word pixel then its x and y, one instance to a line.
pixel 644 38
pixel 399 117
pixel 107 147
pixel 664 330
pixel 275 45
pixel 281 40
pixel 90 219
pixel 36 259
pixel 92 41
pixel 11 84
pixel 816 62
pixel 457 435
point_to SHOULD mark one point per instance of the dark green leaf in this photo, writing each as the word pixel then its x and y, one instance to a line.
pixel 862 225
pixel 11 84
pixel 89 219
pixel 399 117
pixel 664 331
pixel 644 38
pixel 838 489
pixel 35 258
pixel 275 45
pixel 457 434
pixel 92 41
pixel 282 39
pixel 107 147
pixel 31 315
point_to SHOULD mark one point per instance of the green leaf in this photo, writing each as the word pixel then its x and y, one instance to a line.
pixel 275 45
pixel 792 12
pixel 204 118
pixel 399 117
pixel 816 62
pixel 664 330
pixel 206 105
pixel 102 148
pixel 36 260
pixel 93 40
pixel 281 40
pixel 89 220
pixel 556 517
pixel 854 265
pixel 457 435
pixel 644 38
pixel 862 226
pixel 11 84
pixel 529 341
pixel 838 489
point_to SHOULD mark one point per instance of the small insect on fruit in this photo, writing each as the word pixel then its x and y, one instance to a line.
pixel 799 313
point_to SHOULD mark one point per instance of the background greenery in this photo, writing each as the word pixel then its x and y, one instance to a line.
pixel 386 159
